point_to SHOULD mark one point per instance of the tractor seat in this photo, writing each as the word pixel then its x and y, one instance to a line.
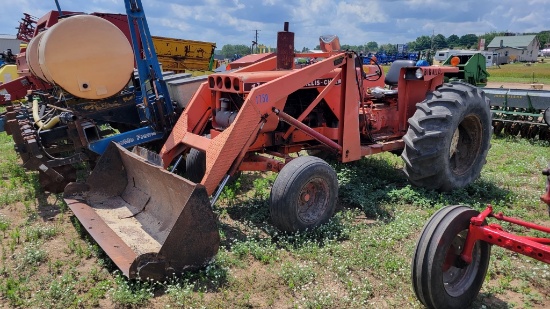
pixel 393 74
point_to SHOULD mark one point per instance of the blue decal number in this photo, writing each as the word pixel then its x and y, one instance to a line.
pixel 262 98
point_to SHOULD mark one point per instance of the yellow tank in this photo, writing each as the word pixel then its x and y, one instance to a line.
pixel 85 55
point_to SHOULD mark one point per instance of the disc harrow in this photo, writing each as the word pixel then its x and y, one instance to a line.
pixel 519 112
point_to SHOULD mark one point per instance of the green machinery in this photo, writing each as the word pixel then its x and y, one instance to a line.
pixel 472 69
pixel 515 111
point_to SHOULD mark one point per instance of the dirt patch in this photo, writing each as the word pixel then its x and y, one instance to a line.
pixel 513 85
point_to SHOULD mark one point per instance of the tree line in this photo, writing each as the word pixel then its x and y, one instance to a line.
pixel 423 42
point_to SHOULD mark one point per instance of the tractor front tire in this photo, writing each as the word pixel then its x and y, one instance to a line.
pixel 448 138
pixel 304 194
pixel 195 165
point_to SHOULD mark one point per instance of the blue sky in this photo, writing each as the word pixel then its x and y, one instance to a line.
pixel 354 21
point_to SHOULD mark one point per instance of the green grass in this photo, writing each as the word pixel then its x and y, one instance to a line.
pixel 521 73
pixel 359 259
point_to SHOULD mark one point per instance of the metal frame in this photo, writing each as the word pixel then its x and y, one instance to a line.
pixel 534 247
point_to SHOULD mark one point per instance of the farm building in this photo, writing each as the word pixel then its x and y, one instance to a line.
pixel 8 41
pixel 523 48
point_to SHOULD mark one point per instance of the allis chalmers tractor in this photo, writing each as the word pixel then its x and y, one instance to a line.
pixel 154 223
pixel 452 254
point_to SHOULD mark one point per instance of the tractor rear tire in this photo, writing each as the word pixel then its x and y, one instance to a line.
pixel 448 138
pixel 304 194
pixel 441 279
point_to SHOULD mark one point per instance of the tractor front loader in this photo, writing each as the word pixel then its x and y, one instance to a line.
pixel 257 118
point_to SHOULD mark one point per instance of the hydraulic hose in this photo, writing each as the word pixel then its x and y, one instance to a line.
pixel 50 124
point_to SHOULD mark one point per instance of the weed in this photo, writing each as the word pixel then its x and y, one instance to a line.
pixel 262 250
pixel 59 292
pixel 15 291
pixel 33 255
pixel 4 225
pixel 35 233
pixel 181 295
pixel 295 275
pixel 131 293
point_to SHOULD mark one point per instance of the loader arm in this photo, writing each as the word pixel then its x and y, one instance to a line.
pixel 225 147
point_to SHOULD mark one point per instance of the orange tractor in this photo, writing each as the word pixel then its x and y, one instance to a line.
pixel 153 223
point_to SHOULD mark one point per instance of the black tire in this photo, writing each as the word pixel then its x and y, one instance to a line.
pixel 195 165
pixel 448 138
pixel 440 278
pixel 303 195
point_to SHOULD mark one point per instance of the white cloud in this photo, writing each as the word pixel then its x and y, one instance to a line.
pixel 354 21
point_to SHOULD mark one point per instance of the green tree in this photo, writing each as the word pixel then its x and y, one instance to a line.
pixel 229 50
pixel 423 42
pixel 453 41
pixel 388 48
pixel 543 37
pixel 469 40
pixel 439 41
pixel 371 46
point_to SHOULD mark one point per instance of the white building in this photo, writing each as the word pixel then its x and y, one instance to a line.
pixel 523 48
pixel 8 41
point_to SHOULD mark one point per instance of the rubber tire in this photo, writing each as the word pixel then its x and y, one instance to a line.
pixel 453 107
pixel 286 194
pixel 431 251
pixel 195 165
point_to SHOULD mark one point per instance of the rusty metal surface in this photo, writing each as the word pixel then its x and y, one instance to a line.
pixel 285 49
pixel 105 237
pixel 163 219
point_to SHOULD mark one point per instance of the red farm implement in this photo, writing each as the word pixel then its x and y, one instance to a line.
pixel 452 254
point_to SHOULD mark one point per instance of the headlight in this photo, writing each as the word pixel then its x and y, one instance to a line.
pixel 419 73
pixel 547 116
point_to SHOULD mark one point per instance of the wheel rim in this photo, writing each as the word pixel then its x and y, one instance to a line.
pixel 313 200
pixel 454 142
pixel 466 144
pixel 457 275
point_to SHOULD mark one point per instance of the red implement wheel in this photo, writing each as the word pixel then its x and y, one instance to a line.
pixel 441 279
pixel 304 194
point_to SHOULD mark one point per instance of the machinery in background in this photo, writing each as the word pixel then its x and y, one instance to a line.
pixel 89 104
pixel 181 56
pixel 152 222
pixel 73 100
pixel 515 111
pixel 175 55
pixel 452 254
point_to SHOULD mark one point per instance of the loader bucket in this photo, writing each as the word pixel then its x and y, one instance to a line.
pixel 150 222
